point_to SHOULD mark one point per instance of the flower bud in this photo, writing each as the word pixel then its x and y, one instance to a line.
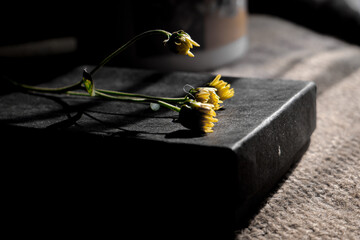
pixel 180 42
pixel 198 116
pixel 207 95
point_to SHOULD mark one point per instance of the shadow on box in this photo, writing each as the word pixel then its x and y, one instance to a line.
pixel 118 186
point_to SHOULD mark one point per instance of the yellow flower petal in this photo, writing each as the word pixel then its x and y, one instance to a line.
pixel 190 54
pixel 223 88
pixel 194 43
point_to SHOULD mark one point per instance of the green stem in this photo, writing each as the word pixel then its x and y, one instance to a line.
pixel 105 93
pixel 123 98
pixel 134 99
pixel 85 94
pixel 128 99
pixel 49 90
pixel 182 99
pixel 132 41
pixel 168 105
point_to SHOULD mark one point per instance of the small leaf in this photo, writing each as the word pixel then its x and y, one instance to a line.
pixel 89 83
pixel 154 106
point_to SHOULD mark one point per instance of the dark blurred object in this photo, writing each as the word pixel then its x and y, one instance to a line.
pixel 99 29
pixel 87 32
pixel 23 22
pixel 339 18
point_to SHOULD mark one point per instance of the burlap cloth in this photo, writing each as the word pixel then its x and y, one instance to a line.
pixel 320 197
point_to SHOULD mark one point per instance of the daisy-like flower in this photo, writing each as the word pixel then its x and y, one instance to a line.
pixel 198 116
pixel 223 88
pixel 180 42
pixel 207 95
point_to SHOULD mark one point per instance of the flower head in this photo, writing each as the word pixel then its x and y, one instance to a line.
pixel 180 42
pixel 207 95
pixel 198 116
pixel 223 88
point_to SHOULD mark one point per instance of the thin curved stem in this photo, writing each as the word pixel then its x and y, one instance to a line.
pixel 132 41
pixel 102 63
pixel 45 89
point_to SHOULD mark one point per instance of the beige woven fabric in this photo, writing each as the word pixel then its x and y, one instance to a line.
pixel 320 197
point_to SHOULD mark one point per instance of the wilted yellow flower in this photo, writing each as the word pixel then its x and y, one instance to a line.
pixel 198 116
pixel 207 95
pixel 223 88
pixel 180 42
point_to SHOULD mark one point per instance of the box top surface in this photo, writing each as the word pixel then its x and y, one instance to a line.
pixel 255 103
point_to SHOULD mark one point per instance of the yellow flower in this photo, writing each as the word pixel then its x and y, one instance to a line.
pixel 223 88
pixel 207 95
pixel 180 42
pixel 198 116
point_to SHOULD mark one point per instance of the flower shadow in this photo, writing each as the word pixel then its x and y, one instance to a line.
pixel 184 133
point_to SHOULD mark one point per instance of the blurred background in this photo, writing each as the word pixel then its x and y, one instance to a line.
pixel 48 39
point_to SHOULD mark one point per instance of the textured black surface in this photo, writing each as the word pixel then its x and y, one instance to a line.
pixel 125 161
